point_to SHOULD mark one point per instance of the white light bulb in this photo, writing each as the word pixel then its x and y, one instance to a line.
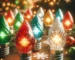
pixel 40 14
pixel 56 40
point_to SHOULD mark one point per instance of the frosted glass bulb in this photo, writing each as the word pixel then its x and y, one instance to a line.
pixel 57 36
pixel 56 40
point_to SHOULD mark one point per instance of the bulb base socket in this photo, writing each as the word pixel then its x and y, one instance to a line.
pixel 56 54
pixel 4 50
pixel 25 56
pixel 37 46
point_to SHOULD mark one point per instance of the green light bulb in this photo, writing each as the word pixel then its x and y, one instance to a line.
pixel 3 23
pixel 2 34
pixel 18 24
pixel 4 31
pixel 17 2
pixel 18 21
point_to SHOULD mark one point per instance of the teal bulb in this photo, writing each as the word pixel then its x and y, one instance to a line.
pixel 37 32
pixel 36 27
pixel 36 21
pixel 59 15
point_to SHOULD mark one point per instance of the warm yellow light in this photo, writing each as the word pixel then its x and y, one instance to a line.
pixel 5 13
pixel 48 20
pixel 51 3
pixel 0 9
pixel 67 23
pixel 67 1
pixel 48 0
pixel 24 42
pixel 37 6
pixel 3 4
pixel 34 12
pixel 45 1
pixel 53 10
pixel 1 59
pixel 8 4
pixel 9 20
pixel 57 39
pixel 12 5
pixel 66 52
pixel 0 46
pixel 7 8
pixel 18 7
pixel 54 0
pixel 24 2
pixel 28 16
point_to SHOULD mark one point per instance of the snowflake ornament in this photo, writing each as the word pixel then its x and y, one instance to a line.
pixel 41 56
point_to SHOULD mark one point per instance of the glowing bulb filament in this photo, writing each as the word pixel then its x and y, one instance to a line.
pixel 48 20
pixel 9 20
pixel 67 23
pixel 36 30
pixel 57 39
pixel 24 42
pixel 2 35
pixel 18 24
pixel 28 16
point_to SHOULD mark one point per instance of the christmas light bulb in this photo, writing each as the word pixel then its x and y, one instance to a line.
pixel 59 15
pixel 68 21
pixel 48 18
pixel 28 15
pixel 4 31
pixel 56 40
pixel 15 12
pixel 36 26
pixel 24 39
pixel 18 21
pixel 3 23
pixel 40 13
pixel 10 18
pixel 37 32
pixel 70 41
pixel 24 42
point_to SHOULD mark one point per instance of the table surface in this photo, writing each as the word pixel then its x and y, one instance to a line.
pixel 42 54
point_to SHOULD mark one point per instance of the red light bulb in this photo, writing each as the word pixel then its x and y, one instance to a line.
pixel 28 15
pixel 24 38
pixel 10 18
pixel 68 21
pixel 70 41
